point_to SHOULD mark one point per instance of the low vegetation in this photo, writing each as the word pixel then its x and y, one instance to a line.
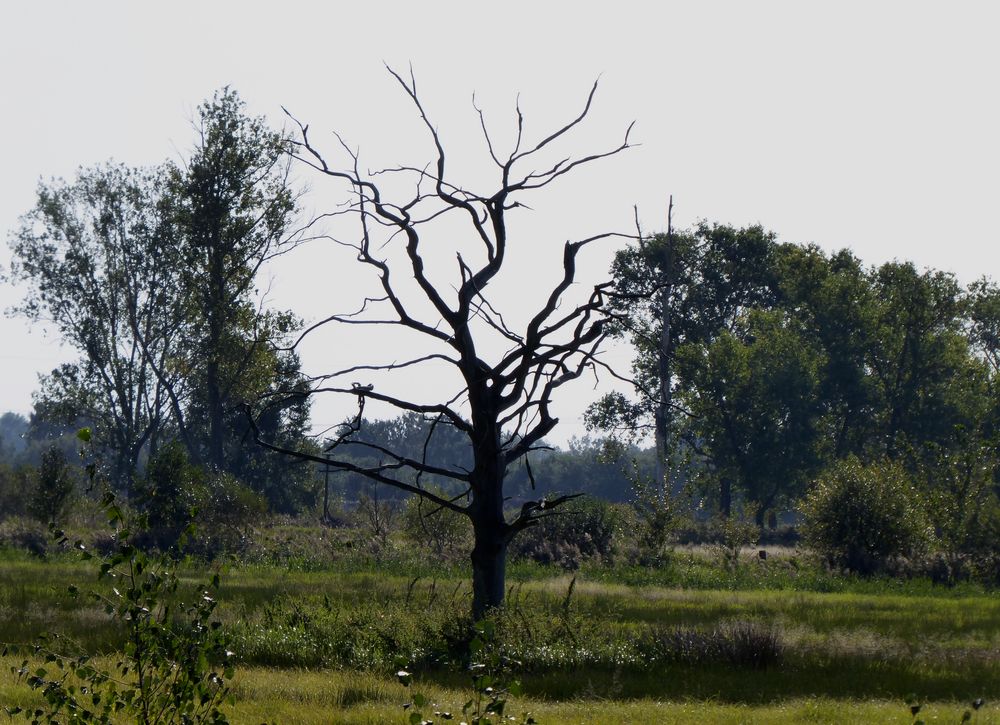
pixel 769 639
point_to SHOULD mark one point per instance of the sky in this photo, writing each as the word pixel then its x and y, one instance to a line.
pixel 865 125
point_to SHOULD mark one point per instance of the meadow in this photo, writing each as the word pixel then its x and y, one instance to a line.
pixel 775 641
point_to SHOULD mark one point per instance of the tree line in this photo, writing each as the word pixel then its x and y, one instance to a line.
pixel 150 275
pixel 773 361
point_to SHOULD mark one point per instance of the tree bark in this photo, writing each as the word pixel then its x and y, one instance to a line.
pixel 489 568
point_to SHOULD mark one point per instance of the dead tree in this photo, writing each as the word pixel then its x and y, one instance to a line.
pixel 502 401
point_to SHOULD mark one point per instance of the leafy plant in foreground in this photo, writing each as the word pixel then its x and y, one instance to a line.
pixel 174 666
pixel 491 688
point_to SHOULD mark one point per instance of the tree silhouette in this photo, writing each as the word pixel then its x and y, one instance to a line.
pixel 502 401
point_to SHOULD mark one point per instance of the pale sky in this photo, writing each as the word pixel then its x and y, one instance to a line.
pixel 866 125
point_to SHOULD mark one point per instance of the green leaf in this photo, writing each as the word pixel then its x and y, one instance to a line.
pixel 84 435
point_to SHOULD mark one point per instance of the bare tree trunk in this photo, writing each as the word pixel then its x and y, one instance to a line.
pixel 489 567
pixel 491 532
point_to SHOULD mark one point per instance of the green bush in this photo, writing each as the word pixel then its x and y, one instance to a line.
pixel 18 532
pixel 176 493
pixel 170 494
pixel 861 516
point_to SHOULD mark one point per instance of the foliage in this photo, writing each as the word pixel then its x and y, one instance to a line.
pixel 175 662
pixel 98 257
pixel 586 529
pixel 657 518
pixel 149 275
pixel 713 273
pixel 672 291
pixel 858 515
pixel 492 688
pixel 174 493
pixel 752 394
pixel 16 484
pixel 439 531
pixel 734 534
pixel 378 519
pixel 233 207
pixel 54 484
pixel 13 428
pixel 170 493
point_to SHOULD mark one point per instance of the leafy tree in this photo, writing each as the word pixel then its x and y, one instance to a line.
pixel 919 359
pixel 13 428
pixel 100 262
pixel 170 493
pixel 836 307
pixel 233 207
pixel 753 394
pixel 674 289
pixel 150 275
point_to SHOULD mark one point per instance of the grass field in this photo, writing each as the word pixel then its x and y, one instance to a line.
pixel 320 646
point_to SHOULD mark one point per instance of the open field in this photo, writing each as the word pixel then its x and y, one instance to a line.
pixel 320 646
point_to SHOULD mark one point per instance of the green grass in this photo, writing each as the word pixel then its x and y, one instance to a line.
pixel 314 697
pixel 317 645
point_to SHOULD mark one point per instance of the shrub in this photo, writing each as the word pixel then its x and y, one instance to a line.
pixel 170 494
pixel 224 514
pixel 859 516
pixel 176 493
pixel 174 669
pixel 445 533
pixel 586 530
pixel 735 532
pixel 378 520
pixel 25 534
